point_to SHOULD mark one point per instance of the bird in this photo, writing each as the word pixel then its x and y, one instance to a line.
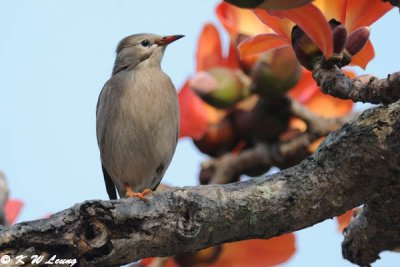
pixel 137 117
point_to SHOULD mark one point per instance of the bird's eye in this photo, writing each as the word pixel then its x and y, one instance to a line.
pixel 145 43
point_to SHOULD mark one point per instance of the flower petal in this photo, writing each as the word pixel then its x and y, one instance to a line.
pixel 239 21
pixel 12 209
pixel 308 93
pixel 209 49
pixel 193 120
pixel 262 43
pixel 328 106
pixel 364 56
pixel 344 220
pixel 279 25
pixel 314 145
pixel 305 88
pixel 310 19
pixel 361 13
pixel 332 9
pixel 232 61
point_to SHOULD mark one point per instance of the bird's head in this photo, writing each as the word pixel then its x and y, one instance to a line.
pixel 143 49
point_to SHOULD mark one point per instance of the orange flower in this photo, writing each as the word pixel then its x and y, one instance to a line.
pixel 251 253
pixel 313 19
pixel 344 219
pixel 308 93
pixel 196 115
pixel 12 209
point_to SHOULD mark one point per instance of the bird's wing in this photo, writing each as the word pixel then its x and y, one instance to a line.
pixel 110 187
pixel 111 190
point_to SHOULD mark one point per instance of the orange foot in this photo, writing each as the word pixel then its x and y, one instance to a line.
pixel 130 193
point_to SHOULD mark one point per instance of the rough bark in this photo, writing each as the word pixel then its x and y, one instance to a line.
pixel 365 88
pixel 376 228
pixel 356 164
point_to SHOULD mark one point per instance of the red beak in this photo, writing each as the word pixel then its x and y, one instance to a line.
pixel 168 39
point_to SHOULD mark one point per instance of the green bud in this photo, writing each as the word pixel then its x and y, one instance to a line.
pixel 219 139
pixel 275 73
pixel 221 87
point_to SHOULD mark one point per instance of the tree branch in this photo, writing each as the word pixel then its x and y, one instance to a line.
pixel 363 154
pixel 366 88
pixel 318 125
pixel 263 156
pixel 376 228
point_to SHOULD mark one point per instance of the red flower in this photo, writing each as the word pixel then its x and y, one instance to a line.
pixel 313 19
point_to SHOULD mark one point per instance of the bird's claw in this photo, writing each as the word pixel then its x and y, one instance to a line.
pixel 141 196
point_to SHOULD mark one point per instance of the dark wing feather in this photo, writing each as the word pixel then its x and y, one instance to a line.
pixel 111 191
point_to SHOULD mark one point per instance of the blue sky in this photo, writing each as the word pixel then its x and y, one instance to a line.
pixel 54 59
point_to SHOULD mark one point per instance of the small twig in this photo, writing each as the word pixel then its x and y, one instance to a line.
pixel 317 124
pixel 364 88
pixel 283 154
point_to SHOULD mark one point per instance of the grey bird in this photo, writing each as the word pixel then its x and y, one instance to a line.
pixel 137 117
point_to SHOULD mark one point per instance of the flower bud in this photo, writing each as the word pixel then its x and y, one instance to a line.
pixel 204 256
pixel 275 73
pixel 339 39
pixel 357 40
pixel 219 138
pixel 221 87
pixel 264 122
pixel 307 52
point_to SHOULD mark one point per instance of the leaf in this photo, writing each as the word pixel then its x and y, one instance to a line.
pixel 12 209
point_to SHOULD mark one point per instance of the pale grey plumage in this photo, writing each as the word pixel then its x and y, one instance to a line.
pixel 137 116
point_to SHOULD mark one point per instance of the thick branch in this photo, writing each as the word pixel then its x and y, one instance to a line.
pixel 363 155
pixel 364 88
pixel 376 228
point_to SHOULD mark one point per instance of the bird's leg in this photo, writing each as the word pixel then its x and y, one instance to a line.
pixel 130 193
